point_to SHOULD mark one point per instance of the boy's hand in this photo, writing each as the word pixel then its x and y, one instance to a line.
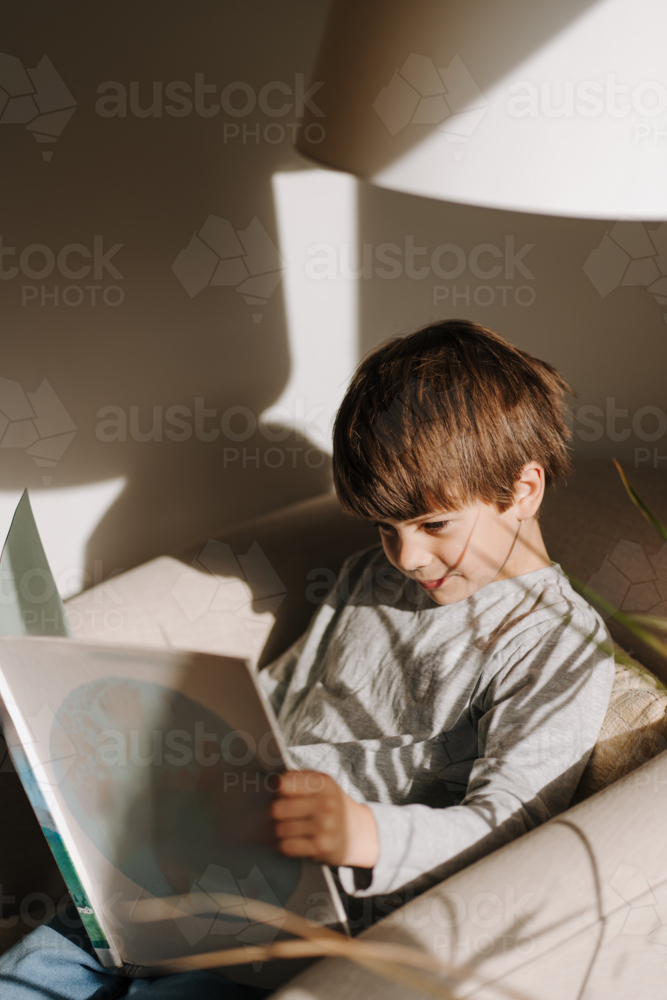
pixel 314 818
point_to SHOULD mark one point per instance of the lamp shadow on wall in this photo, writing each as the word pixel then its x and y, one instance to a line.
pixel 213 458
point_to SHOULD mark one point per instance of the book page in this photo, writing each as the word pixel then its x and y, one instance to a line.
pixel 163 765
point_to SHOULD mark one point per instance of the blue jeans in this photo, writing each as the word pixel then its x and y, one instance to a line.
pixel 57 962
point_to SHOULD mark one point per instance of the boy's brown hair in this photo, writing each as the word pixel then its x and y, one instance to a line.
pixel 445 417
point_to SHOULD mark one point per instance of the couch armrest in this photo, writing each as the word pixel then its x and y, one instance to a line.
pixel 576 907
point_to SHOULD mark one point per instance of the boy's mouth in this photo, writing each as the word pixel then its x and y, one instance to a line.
pixel 432 584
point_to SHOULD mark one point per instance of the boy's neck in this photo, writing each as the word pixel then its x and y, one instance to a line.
pixel 528 552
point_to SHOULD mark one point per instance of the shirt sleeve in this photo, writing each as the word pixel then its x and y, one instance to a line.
pixel 537 721
pixel 274 678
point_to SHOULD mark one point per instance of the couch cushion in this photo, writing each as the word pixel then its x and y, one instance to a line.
pixel 634 729
pixel 248 592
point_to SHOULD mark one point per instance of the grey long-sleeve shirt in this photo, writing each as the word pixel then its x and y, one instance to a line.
pixel 462 726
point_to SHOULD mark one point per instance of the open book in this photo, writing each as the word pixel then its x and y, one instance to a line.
pixel 151 772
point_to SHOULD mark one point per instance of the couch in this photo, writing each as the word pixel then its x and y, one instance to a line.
pixel 576 908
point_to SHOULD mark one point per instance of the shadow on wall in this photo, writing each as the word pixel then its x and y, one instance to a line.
pixel 143 285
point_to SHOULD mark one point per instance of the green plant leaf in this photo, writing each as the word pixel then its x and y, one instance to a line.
pixel 633 623
pixel 644 508
pixel 660 624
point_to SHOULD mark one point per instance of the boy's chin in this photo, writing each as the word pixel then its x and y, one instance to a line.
pixel 453 589
pixel 456 588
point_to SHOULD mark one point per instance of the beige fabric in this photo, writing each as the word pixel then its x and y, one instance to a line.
pixel 249 592
pixel 168 603
pixel 634 729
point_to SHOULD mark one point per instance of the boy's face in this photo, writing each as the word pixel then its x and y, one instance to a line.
pixel 452 555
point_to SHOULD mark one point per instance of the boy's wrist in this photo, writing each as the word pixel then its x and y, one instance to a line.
pixel 364 841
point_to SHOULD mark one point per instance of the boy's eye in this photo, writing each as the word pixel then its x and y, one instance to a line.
pixel 429 525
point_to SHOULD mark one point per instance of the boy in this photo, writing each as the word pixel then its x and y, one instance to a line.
pixel 447 694
pixel 472 677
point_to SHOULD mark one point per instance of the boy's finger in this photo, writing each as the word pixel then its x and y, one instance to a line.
pixel 294 807
pixel 294 828
pixel 302 782
pixel 297 847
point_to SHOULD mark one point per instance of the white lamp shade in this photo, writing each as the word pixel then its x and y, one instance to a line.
pixel 550 106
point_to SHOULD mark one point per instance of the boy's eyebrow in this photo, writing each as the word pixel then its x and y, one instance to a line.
pixel 424 517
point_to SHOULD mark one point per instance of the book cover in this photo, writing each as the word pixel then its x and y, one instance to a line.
pixel 30 604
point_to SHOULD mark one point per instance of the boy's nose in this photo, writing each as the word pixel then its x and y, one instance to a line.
pixel 412 555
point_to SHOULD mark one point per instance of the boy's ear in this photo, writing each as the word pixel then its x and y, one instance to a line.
pixel 529 490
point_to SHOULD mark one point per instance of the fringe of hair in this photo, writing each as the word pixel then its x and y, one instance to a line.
pixel 446 417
